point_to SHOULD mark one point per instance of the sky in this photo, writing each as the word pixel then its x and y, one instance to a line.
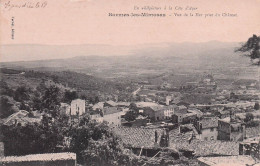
pixel 77 22
pixel 86 27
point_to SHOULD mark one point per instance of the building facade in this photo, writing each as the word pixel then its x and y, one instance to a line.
pixel 184 118
pixel 231 130
pixel 168 111
pixel 112 115
pixel 96 117
pixel 77 107
pixel 207 129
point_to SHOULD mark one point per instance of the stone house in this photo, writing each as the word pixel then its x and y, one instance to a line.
pixel 184 118
pixel 112 115
pixel 77 107
pixel 143 141
pixel 231 129
pixel 207 129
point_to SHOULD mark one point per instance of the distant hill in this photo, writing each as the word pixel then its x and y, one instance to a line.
pixel 66 79
pixel 134 62
pixel 39 52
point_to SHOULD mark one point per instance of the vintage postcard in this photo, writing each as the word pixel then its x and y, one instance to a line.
pixel 129 82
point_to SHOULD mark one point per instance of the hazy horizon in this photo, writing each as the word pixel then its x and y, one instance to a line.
pixel 32 52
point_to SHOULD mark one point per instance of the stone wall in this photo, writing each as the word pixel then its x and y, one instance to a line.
pixel 47 159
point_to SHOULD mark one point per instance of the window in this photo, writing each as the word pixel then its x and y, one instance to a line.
pixel 211 129
pixel 212 138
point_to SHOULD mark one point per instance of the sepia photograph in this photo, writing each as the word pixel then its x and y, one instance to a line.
pixel 129 83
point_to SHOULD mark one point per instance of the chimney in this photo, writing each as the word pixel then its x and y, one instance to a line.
pixel 230 116
pixel 168 99
pixel 155 136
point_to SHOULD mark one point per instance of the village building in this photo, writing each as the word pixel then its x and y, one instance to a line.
pixel 155 113
pixel 142 141
pixel 64 108
pixel 77 107
pixel 98 106
pixel 250 146
pixel 50 159
pixel 207 129
pixel 112 115
pixel 226 160
pixel 97 117
pixel 168 111
pixel 138 122
pixel 187 143
pixel 20 118
pixel 181 115
pixel 158 113
pixel 184 118
pixel 230 129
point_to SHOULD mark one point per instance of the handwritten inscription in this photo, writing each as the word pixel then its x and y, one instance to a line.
pixel 31 5
pixel 12 28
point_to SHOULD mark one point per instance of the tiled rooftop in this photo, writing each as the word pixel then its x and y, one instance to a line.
pixel 157 108
pixel 252 132
pixel 40 157
pixel 228 160
pixel 98 105
pixel 138 137
pixel 209 122
pixel 111 110
pixel 21 113
pixel 146 104
pixel 112 103
pixel 202 148
pixel 20 117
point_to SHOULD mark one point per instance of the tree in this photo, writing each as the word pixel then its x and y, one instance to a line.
pixel 94 143
pixel 5 107
pixel 21 94
pixel 96 99
pixel 30 139
pixel 249 117
pixel 51 100
pixel 251 48
pixel 4 89
pixel 133 107
pixel 256 107
pixel 130 116
pixel 69 96
pixel 253 123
